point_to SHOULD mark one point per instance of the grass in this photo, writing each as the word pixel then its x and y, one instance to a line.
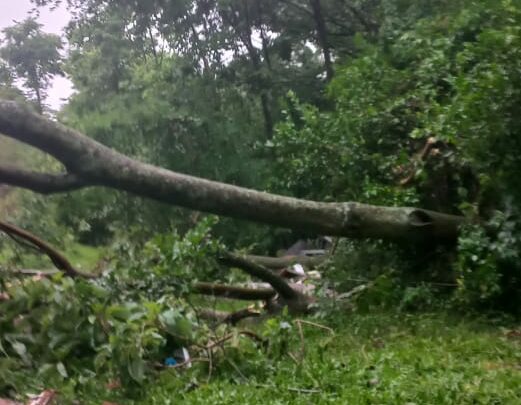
pixel 384 358
pixel 83 257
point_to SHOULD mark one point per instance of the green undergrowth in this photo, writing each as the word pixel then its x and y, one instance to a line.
pixel 377 358
pixel 83 256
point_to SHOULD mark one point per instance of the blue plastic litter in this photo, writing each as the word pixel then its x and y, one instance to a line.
pixel 170 361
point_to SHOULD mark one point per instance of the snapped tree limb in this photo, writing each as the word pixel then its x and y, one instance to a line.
pixel 40 182
pixel 59 260
pixel 235 292
pixel 256 270
pixel 89 163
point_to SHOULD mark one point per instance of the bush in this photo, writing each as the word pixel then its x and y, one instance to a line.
pixel 488 265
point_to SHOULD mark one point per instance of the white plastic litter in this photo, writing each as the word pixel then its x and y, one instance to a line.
pixel 297 268
pixel 186 357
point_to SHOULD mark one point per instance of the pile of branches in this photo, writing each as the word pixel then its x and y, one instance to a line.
pixel 285 281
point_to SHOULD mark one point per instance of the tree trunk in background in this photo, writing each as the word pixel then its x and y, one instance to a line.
pixel 38 100
pixel 266 112
pixel 322 37
pixel 256 61
pixel 90 163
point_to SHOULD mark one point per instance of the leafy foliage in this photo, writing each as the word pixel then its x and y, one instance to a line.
pixel 117 326
pixel 488 263
pixel 165 265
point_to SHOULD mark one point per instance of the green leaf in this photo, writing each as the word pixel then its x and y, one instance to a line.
pixel 62 370
pixel 20 349
pixel 176 324
pixel 136 369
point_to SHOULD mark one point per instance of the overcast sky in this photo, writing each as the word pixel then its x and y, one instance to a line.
pixel 53 21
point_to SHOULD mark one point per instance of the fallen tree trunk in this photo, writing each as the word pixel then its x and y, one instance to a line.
pixel 89 163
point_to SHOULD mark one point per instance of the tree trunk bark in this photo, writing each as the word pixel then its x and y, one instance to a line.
pixel 91 164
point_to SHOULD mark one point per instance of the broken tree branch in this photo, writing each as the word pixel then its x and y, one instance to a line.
pixel 235 292
pixel 56 257
pixel 287 295
pixel 417 160
pixel 253 269
pixel 43 183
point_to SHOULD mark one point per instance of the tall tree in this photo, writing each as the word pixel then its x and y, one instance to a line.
pixel 32 56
